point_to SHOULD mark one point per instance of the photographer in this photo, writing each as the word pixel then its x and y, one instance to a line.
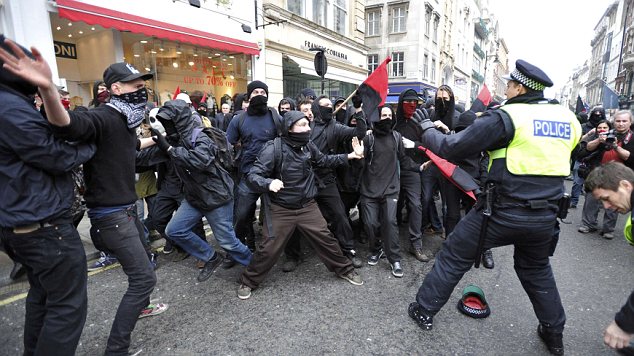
pixel 603 147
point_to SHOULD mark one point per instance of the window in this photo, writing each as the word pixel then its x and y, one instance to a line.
pixel 436 24
pixel 398 61
pixel 373 23
pixel 319 12
pixel 295 6
pixel 425 65
pixel 433 70
pixel 477 64
pixel 427 20
pixel 373 62
pixel 341 15
pixel 399 17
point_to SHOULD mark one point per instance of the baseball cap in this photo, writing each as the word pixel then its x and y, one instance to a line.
pixel 184 97
pixel 123 72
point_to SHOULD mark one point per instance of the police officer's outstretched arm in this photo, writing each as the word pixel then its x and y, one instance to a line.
pixel 261 176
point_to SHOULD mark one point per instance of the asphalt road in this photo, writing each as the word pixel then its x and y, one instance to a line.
pixel 311 311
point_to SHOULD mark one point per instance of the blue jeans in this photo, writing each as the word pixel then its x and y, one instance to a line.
pixel 430 179
pixel 56 304
pixel 577 185
pixel 220 220
pixel 120 234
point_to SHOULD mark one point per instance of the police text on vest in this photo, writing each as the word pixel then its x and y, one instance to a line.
pixel 554 129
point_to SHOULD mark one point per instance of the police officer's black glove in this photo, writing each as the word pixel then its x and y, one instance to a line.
pixel 356 101
pixel 420 115
pixel 160 140
pixel 426 124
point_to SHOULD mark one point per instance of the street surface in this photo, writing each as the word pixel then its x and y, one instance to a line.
pixel 310 311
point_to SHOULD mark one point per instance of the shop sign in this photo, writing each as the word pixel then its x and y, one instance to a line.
pixel 327 50
pixel 65 50
pixel 210 80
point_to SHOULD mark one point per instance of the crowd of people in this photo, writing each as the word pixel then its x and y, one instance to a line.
pixel 310 163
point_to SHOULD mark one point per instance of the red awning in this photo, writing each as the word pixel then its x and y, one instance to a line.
pixel 94 15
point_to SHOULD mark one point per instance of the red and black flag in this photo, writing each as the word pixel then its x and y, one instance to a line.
pixel 176 92
pixel 373 91
pixel 581 106
pixel 456 175
pixel 482 101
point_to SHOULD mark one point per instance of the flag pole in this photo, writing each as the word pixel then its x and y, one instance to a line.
pixel 345 101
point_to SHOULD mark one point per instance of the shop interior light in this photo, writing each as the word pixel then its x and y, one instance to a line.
pixel 58 28
pixel 231 57
pixel 70 35
pixel 92 28
pixel 232 77
pixel 191 63
pixel 153 51
pixel 147 69
pixel 230 64
pixel 81 32
pixel 175 64
pixel 70 24
pixel 178 51
pixel 143 41
pixel 217 54
pixel 137 55
pixel 224 59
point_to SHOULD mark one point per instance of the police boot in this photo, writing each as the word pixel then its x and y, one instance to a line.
pixel 487 259
pixel 554 341
pixel 420 316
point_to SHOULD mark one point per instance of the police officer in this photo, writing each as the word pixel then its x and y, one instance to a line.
pixel 529 158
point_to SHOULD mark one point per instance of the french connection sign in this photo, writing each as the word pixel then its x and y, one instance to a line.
pixel 555 129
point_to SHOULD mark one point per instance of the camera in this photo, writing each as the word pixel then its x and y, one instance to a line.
pixel 610 137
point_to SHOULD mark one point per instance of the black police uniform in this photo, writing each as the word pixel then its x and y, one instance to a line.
pixel 530 230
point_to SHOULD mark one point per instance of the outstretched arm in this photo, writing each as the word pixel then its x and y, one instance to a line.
pixel 37 72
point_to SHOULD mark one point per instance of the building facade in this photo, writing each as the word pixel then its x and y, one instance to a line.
pixel 179 43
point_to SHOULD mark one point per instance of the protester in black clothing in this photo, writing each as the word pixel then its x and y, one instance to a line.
pixel 100 94
pixel 286 105
pixel 385 157
pixel 327 133
pixel 110 194
pixel 342 114
pixel 288 182
pixel 408 125
pixel 36 227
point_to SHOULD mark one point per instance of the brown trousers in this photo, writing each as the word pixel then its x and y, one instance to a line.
pixel 309 221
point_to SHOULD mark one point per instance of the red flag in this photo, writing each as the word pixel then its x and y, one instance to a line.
pixel 456 175
pixel 373 91
pixel 482 101
pixel 204 99
pixel 176 92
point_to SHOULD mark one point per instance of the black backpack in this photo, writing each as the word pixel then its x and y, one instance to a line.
pixel 224 152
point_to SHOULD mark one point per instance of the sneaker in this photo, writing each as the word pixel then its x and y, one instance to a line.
pixel 374 258
pixel 153 309
pixel 353 277
pixel 244 292
pixel 586 229
pixel 155 235
pixel 290 265
pixel 168 248
pixel 209 268
pixel 418 253
pixel 104 261
pixel 154 260
pixel 354 259
pixel 554 341
pixel 608 235
pixel 228 262
pixel 397 270
pixel 416 312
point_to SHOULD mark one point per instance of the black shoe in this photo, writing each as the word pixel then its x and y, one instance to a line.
pixel 554 341
pixel 397 270
pixel 168 248
pixel 417 313
pixel 17 271
pixel 374 258
pixel 354 259
pixel 228 262
pixel 209 268
pixel 418 253
pixel 487 259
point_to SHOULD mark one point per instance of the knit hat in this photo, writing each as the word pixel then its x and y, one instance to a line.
pixel 255 85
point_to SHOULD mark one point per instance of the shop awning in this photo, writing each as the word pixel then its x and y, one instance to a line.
pixel 308 67
pixel 94 15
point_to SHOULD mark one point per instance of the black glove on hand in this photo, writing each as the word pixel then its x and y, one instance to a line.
pixel 161 141
pixel 356 101
pixel 426 124
pixel 420 115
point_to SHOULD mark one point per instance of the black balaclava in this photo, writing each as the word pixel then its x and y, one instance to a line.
pixel 597 114
pixel 294 139
pixel 258 105
pixel 444 110
pixel 321 113
pixel 342 113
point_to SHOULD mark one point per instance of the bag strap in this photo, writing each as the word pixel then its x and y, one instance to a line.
pixel 195 133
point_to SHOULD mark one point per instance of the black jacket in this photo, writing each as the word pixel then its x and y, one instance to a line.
pixel 206 184
pixel 328 134
pixel 295 170
pixel 35 180
pixel 110 174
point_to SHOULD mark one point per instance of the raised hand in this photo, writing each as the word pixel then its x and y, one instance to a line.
pixel 357 147
pixel 34 70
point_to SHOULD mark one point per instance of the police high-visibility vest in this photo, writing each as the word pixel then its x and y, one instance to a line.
pixel 545 134
pixel 627 230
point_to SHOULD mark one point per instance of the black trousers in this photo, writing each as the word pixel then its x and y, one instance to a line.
pixel 57 301
pixel 529 231
pixel 380 214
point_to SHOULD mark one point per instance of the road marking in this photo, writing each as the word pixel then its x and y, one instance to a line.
pixel 12 299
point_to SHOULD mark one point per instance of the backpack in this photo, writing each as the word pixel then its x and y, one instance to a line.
pixel 224 150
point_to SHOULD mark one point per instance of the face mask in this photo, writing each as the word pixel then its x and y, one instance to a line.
pixel 341 115
pixel 298 139
pixel 132 105
pixel 202 111
pixel 383 127
pixel 409 109
pixel 136 97
pixel 442 106
pixel 326 113
pixel 258 105
pixel 103 97
pixel 66 103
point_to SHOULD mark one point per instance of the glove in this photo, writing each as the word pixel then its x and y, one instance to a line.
pixel 160 140
pixel 420 115
pixel 356 101
pixel 427 124
pixel 407 143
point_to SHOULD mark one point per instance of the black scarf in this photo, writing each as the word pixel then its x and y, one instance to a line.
pixel 297 139
pixel 383 127
pixel 258 105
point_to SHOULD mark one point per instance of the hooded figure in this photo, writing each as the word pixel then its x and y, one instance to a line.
pixel 445 110
pixel 596 115
pixel 100 93
pixel 341 115
pixel 286 101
